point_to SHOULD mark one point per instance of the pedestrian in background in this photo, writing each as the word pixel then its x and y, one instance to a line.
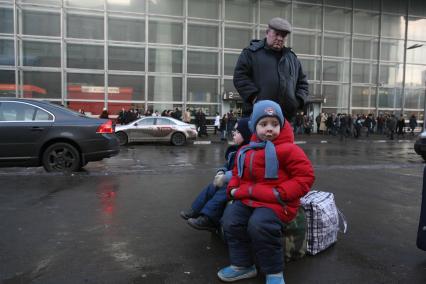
pixel 413 123
pixel 104 114
pixel 216 123
pixel 400 125
pixel 187 116
pixel 268 70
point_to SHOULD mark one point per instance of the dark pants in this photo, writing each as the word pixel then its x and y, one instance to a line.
pixel 255 230
pixel 421 233
pixel 211 202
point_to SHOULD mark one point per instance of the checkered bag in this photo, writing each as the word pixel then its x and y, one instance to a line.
pixel 323 219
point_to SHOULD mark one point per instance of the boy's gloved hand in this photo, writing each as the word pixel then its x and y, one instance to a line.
pixel 233 191
pixel 219 179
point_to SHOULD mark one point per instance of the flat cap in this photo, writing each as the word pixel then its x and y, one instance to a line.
pixel 280 24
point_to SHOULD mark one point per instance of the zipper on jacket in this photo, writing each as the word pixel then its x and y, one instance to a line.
pixel 251 166
pixel 280 201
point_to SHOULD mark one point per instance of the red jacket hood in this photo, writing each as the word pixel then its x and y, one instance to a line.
pixel 286 135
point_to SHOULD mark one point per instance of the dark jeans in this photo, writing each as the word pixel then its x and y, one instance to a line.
pixel 211 202
pixel 248 229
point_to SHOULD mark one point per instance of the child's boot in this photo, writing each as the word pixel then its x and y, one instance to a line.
pixel 186 214
pixel 233 273
pixel 202 223
pixel 277 278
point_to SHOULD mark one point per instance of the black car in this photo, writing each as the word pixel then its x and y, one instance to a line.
pixel 38 133
pixel 420 145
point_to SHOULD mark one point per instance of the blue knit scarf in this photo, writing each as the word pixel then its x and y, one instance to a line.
pixel 271 161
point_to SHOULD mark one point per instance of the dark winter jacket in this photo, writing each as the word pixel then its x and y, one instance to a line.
pixel 263 74
pixel 282 195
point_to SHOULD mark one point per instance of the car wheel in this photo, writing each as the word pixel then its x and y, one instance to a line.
pixel 122 138
pixel 178 139
pixel 61 157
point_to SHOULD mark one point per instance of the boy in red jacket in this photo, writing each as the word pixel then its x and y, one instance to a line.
pixel 270 176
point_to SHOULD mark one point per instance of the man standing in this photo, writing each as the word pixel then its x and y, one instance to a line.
pixel 267 70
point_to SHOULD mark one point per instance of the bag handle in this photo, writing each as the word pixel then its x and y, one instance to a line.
pixel 343 225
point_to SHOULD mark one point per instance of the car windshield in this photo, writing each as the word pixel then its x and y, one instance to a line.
pixel 67 110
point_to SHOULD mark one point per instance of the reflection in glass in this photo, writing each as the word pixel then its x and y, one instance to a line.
pixel 361 72
pixel 387 97
pixel 305 16
pixel 7 83
pixel 80 26
pixel 393 26
pixel 228 86
pixel 202 90
pixel 392 50
pixel 360 96
pixel 41 23
pixel 6 20
pixel 41 54
pixel 306 43
pixel 164 88
pixel 399 7
pixel 42 85
pixel 126 88
pixel 415 75
pixel 7 52
pixel 372 5
pixel 270 9
pixel 165 32
pixel 338 20
pixel 336 96
pixel 240 10
pixel 83 87
pixel 203 9
pixel 413 98
pixel 416 55
pixel 85 56
pixel 336 71
pixel 230 60
pixel 417 7
pixel 47 2
pixel 128 29
pixel 203 35
pixel 366 23
pixel 365 48
pixel 165 60
pixel 391 74
pixel 310 68
pixel 92 4
pixel 237 37
pixel 416 28
pixel 126 5
pixel 166 7
pixel 126 58
pixel 202 62
pixel 336 45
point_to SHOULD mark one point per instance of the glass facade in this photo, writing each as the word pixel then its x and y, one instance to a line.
pixel 361 55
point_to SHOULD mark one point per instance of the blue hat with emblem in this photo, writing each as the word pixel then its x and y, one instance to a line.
pixel 263 109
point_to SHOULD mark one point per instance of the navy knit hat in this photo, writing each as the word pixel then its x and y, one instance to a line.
pixel 263 109
pixel 243 128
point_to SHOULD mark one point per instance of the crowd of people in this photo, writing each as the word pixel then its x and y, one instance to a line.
pixel 356 125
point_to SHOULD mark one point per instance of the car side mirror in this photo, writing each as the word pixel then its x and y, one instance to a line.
pixel 135 124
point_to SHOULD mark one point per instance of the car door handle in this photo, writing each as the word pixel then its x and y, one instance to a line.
pixel 36 128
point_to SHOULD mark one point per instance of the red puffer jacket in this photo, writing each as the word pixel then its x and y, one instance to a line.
pixel 282 195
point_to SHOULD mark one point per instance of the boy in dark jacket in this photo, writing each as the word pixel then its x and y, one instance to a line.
pixel 207 208
pixel 270 176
